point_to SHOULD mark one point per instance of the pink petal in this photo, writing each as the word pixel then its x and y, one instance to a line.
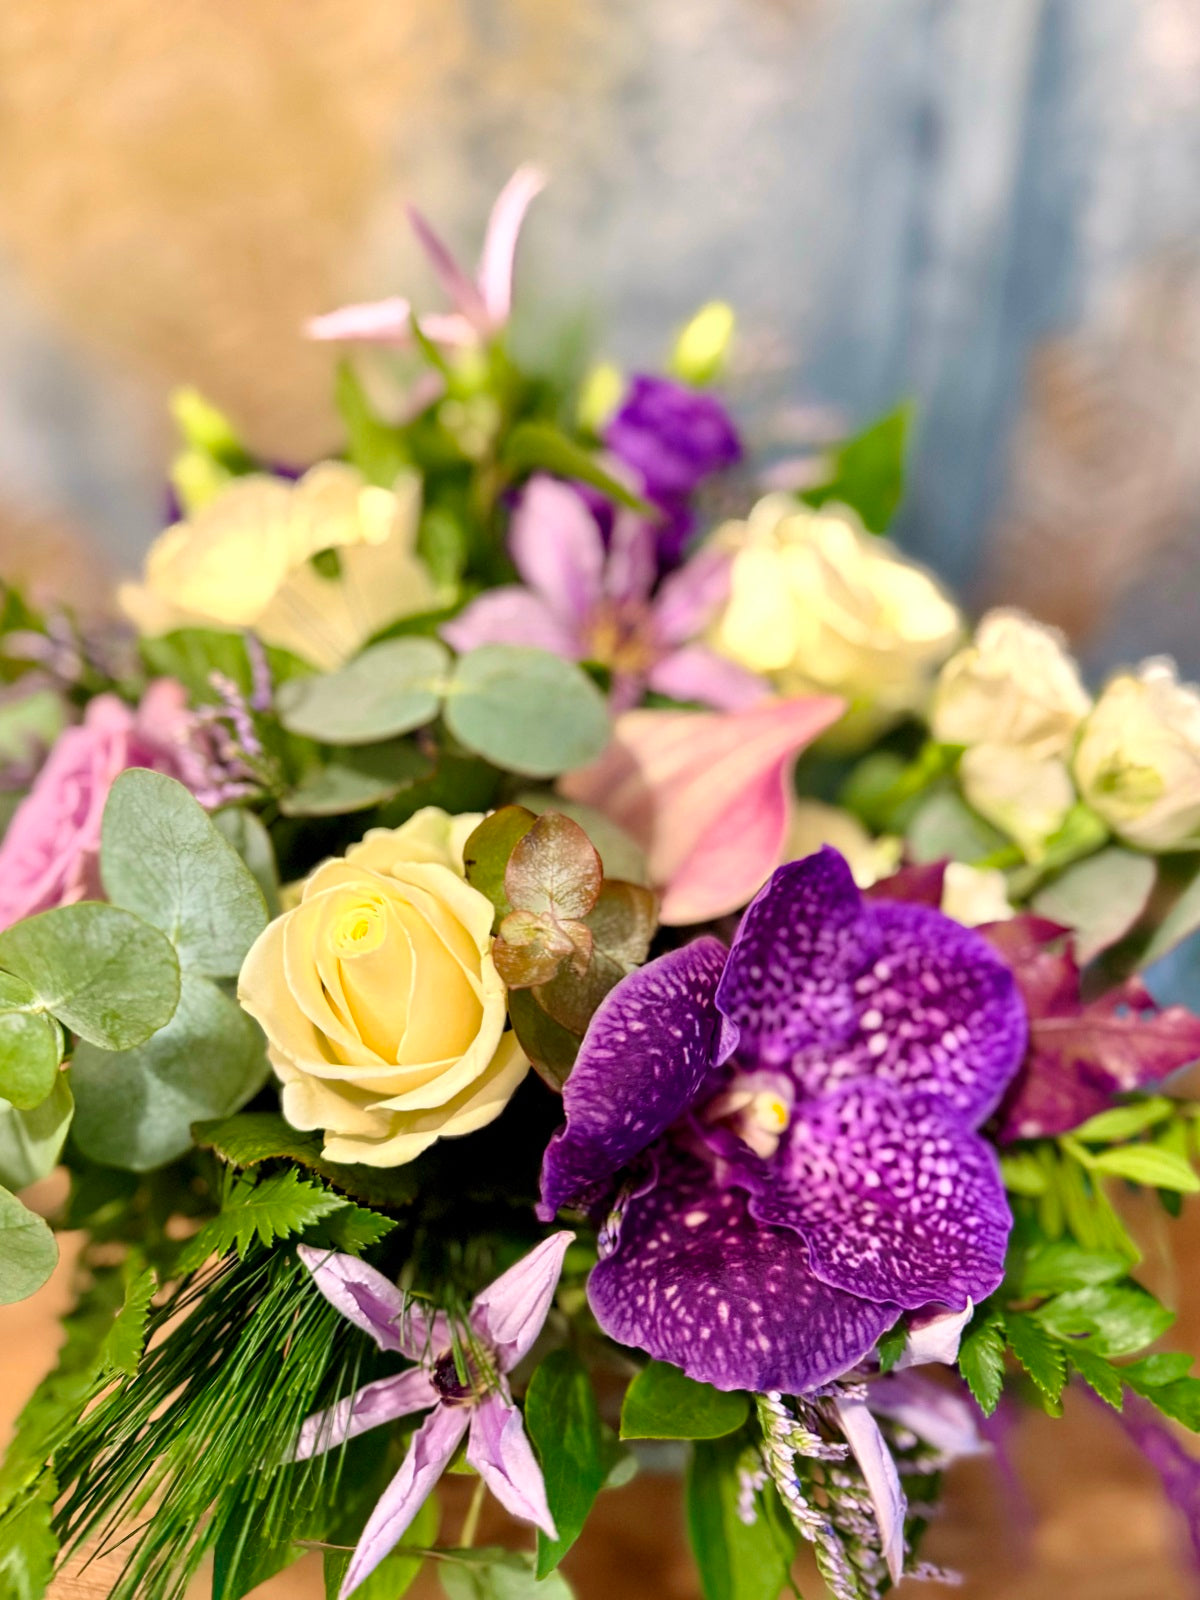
pixel 695 672
pixel 464 295
pixel 942 1418
pixel 367 1407
pixel 429 1454
pixel 500 1452
pixel 510 1312
pixel 500 242
pixel 690 598
pixel 883 1481
pixel 510 616
pixel 557 548
pixel 706 794
pixel 373 1303
pixel 373 321
pixel 632 558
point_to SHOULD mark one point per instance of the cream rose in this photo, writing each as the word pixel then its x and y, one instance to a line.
pixel 245 560
pixel 818 604
pixel 1013 685
pixel 1029 797
pixel 382 1006
pixel 1138 758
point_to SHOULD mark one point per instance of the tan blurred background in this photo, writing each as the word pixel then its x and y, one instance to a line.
pixel 992 207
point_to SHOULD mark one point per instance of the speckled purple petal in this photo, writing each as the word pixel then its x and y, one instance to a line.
pixel 694 1280
pixel 788 983
pixel 938 1012
pixel 643 1061
pixel 896 1199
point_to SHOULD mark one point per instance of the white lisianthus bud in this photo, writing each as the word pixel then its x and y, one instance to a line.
pixel 1138 758
pixel 815 824
pixel 1014 685
pixel 1026 796
pixel 975 895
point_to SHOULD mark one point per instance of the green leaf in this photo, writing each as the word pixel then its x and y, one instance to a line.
pixel 162 858
pixel 564 1425
pixel 193 654
pixel 1118 1319
pixel 551 1047
pixel 736 1561
pixel 868 471
pixel 891 1346
pixel 246 833
pixel 28 1546
pixel 1023 1172
pixel 396 1573
pixel 32 1141
pixel 252 1137
pixel 1165 1366
pixel 664 1403
pixel 981 1360
pixel 619 855
pixel 487 850
pixel 390 689
pixel 526 710
pixel 30 1051
pixel 1040 1355
pixel 1100 897
pixel 358 779
pixel 28 1251
pixel 1124 1122
pixel 1061 1265
pixel 109 976
pixel 1180 921
pixel 374 446
pixel 492 1574
pixel 541 447
pixel 354 1229
pixel 1099 1375
pixel 945 827
pixel 134 1109
pixel 1179 1399
pixel 274 1209
pixel 1149 1164
pixel 122 1349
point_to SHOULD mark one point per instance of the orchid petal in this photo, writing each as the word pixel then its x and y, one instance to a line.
pixel 463 294
pixel 368 1407
pixel 944 1420
pixel 690 598
pixel 371 321
pixel 647 1052
pixel 373 1303
pixel 882 1480
pixel 510 1312
pixel 678 782
pixel 510 615
pixel 935 1338
pixel 698 673
pixel 500 241
pixel 557 548
pixel 429 1454
pixel 499 1450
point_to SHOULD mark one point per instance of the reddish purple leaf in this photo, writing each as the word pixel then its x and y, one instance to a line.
pixel 920 883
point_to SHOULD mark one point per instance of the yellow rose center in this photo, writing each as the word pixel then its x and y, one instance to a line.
pixel 358 932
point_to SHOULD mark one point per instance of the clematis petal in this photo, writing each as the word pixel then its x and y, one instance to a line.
pixel 499 1450
pixel 632 564
pixel 463 294
pixel 371 1302
pixel 557 548
pixel 883 1481
pixel 429 1454
pixel 938 1012
pixel 370 321
pixel 895 1198
pixel 697 673
pixel 511 615
pixel 500 241
pixel 690 597
pixel 646 1054
pixel 805 937
pixel 934 1413
pixel 696 1281
pixel 510 1312
pixel 705 794
pixel 935 1336
pixel 367 1407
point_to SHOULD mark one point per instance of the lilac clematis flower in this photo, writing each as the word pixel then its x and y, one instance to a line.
pixel 587 603
pixel 482 305
pixel 789 1130
pixel 503 1322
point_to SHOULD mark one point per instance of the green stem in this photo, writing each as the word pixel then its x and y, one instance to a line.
pixel 471 1522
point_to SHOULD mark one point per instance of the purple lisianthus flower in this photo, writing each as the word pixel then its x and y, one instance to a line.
pixel 461 1381
pixel 785 1133
pixel 587 602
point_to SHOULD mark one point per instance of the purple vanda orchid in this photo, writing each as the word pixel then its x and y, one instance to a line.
pixel 482 304
pixel 504 1321
pixel 588 603
pixel 783 1134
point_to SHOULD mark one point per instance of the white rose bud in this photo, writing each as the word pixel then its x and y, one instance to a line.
pixel 1027 797
pixel 1138 759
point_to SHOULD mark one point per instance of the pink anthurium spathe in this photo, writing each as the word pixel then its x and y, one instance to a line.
pixel 707 795
pixel 462 1382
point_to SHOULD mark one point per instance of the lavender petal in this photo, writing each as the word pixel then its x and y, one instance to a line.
pixel 882 1480
pixel 510 1312
pixel 695 672
pixel 500 241
pixel 511 615
pixel 373 1303
pixel 558 551
pixel 499 1450
pixel 690 597
pixel 368 1407
pixel 945 1420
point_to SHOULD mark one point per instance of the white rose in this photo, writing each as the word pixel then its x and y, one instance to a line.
pixel 975 895
pixel 1026 796
pixel 815 824
pixel 819 605
pixel 1138 758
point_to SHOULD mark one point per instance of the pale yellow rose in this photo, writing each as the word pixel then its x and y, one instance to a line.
pixel 1138 758
pixel 245 561
pixel 817 604
pixel 382 1006
pixel 815 824
pixel 975 895
pixel 1015 685
pixel 1026 796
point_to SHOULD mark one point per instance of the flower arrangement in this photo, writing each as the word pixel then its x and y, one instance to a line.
pixel 525 943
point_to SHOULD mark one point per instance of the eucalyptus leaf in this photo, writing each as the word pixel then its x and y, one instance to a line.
pixel 30 1051
pixel 1180 921
pixel 497 1575
pixel 526 710
pixel 619 855
pixel 390 689
pixel 945 828
pixel 246 833
pixel 32 1141
pixel 357 780
pixel 110 977
pixel 1100 897
pixel 28 1252
pixel 162 857
pixel 135 1109
pixel 664 1403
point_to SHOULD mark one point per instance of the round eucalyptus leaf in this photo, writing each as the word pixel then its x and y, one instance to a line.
pixel 30 1051
pixel 1101 897
pixel 391 688
pixel 28 1252
pixel 526 710
pixel 32 1141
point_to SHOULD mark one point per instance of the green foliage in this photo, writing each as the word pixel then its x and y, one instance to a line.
pixel 109 976
pixel 27 1542
pixel 359 778
pixel 619 855
pixel 493 1574
pixel 246 833
pixel 664 1403
pixel 1182 916
pixel 32 1141
pixel 891 1346
pixel 30 1050
pixel 1058 1266
pixel 1042 1357
pixel 868 471
pixel 541 447
pixel 1149 1164
pixel 981 1359
pixel 28 1250
pixel 737 1561
pixel 126 1339
pixel 1100 897
pixel 551 1047
pixel 1117 1319
pixel 375 447
pixel 193 655
pixel 253 1137
pixel 488 849
pixel 526 710
pixel 564 1426
pixel 945 828
pixel 272 1209
pixel 390 689
pixel 1125 1122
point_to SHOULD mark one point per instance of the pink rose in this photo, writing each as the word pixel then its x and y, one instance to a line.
pixel 49 854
